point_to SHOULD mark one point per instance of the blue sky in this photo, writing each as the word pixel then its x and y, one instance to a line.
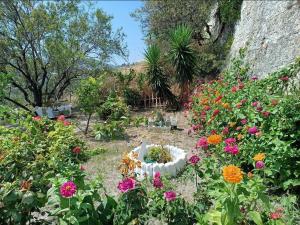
pixel 121 10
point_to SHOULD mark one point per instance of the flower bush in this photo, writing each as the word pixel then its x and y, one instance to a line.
pixel 33 151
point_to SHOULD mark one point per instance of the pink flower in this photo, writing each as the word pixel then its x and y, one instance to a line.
pixel 266 114
pixel 255 104
pixel 244 121
pixel 230 141
pixel 36 118
pixel 241 85
pixel 202 143
pixel 252 130
pixel 170 196
pixel 61 118
pixel 286 78
pixel 68 189
pixel 67 123
pixel 157 183
pixel 254 78
pixel 225 131
pixel 76 150
pixel 231 149
pixel 238 128
pixel 218 98
pixel 275 215
pixel 259 164
pixel 243 101
pixel 194 159
pixel 126 185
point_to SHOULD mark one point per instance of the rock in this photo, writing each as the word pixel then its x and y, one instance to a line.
pixel 271 30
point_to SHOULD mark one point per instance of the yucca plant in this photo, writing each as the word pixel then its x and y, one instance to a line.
pixel 156 77
pixel 182 56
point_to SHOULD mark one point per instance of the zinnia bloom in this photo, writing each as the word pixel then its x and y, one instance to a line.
pixel 216 112
pixel 225 131
pixel 76 150
pixel 275 215
pixel 232 174
pixel 126 185
pixel 61 118
pixel 244 121
pixel 206 108
pixel 255 104
pixel 230 141
pixel 68 189
pixel 259 157
pixel 67 123
pixel 231 149
pixel 194 159
pixel 202 143
pixel 286 78
pixel 214 139
pixel 252 130
pixel 266 114
pixel 170 196
pixel 157 183
pixel 36 118
pixel 254 78
pixel 259 165
pixel 157 175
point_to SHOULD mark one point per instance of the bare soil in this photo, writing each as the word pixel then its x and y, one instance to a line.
pixel 106 164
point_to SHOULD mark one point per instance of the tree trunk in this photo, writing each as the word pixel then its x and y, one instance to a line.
pixel 87 124
pixel 38 98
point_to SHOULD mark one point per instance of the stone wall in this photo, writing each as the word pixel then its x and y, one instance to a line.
pixel 271 30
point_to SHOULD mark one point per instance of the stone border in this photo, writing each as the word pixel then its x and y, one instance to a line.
pixel 171 168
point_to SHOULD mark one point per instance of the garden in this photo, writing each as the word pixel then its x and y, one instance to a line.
pixel 223 149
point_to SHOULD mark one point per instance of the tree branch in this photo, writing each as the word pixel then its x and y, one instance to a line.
pixel 17 103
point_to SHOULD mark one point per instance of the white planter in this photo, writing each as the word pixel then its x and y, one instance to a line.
pixel 171 168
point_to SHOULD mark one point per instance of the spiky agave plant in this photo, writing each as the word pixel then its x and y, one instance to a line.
pixel 156 76
pixel 182 56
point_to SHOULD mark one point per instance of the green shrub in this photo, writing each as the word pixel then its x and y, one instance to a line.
pixel 158 154
pixel 110 130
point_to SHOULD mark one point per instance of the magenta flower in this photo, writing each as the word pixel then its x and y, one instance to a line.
pixel 67 123
pixel 76 150
pixel 286 78
pixel 259 108
pixel 126 185
pixel 202 143
pixel 252 130
pixel 231 149
pixel 157 183
pixel 68 189
pixel 170 196
pixel 230 141
pixel 259 165
pixel 157 175
pixel 255 104
pixel 254 78
pixel 244 121
pixel 194 159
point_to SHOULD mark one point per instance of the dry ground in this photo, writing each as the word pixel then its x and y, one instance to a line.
pixel 105 164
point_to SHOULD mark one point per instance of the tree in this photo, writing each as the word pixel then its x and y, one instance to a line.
pixel 156 76
pixel 183 56
pixel 90 97
pixel 48 45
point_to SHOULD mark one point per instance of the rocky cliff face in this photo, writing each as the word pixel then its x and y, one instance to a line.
pixel 271 31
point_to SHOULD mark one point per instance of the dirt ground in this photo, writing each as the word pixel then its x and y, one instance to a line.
pixel 106 164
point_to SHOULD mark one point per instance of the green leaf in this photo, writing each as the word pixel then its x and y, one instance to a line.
pixel 255 216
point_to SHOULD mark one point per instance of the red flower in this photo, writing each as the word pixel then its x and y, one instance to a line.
pixel 218 98
pixel 266 114
pixel 206 108
pixel 216 112
pixel 259 108
pixel 213 132
pixel 67 123
pixel 275 215
pixel 76 150
pixel 234 89
pixel 225 131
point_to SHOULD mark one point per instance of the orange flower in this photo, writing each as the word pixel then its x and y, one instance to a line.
pixel 232 174
pixel 226 105
pixel 214 139
pixel 250 175
pixel 240 137
pixel 259 157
